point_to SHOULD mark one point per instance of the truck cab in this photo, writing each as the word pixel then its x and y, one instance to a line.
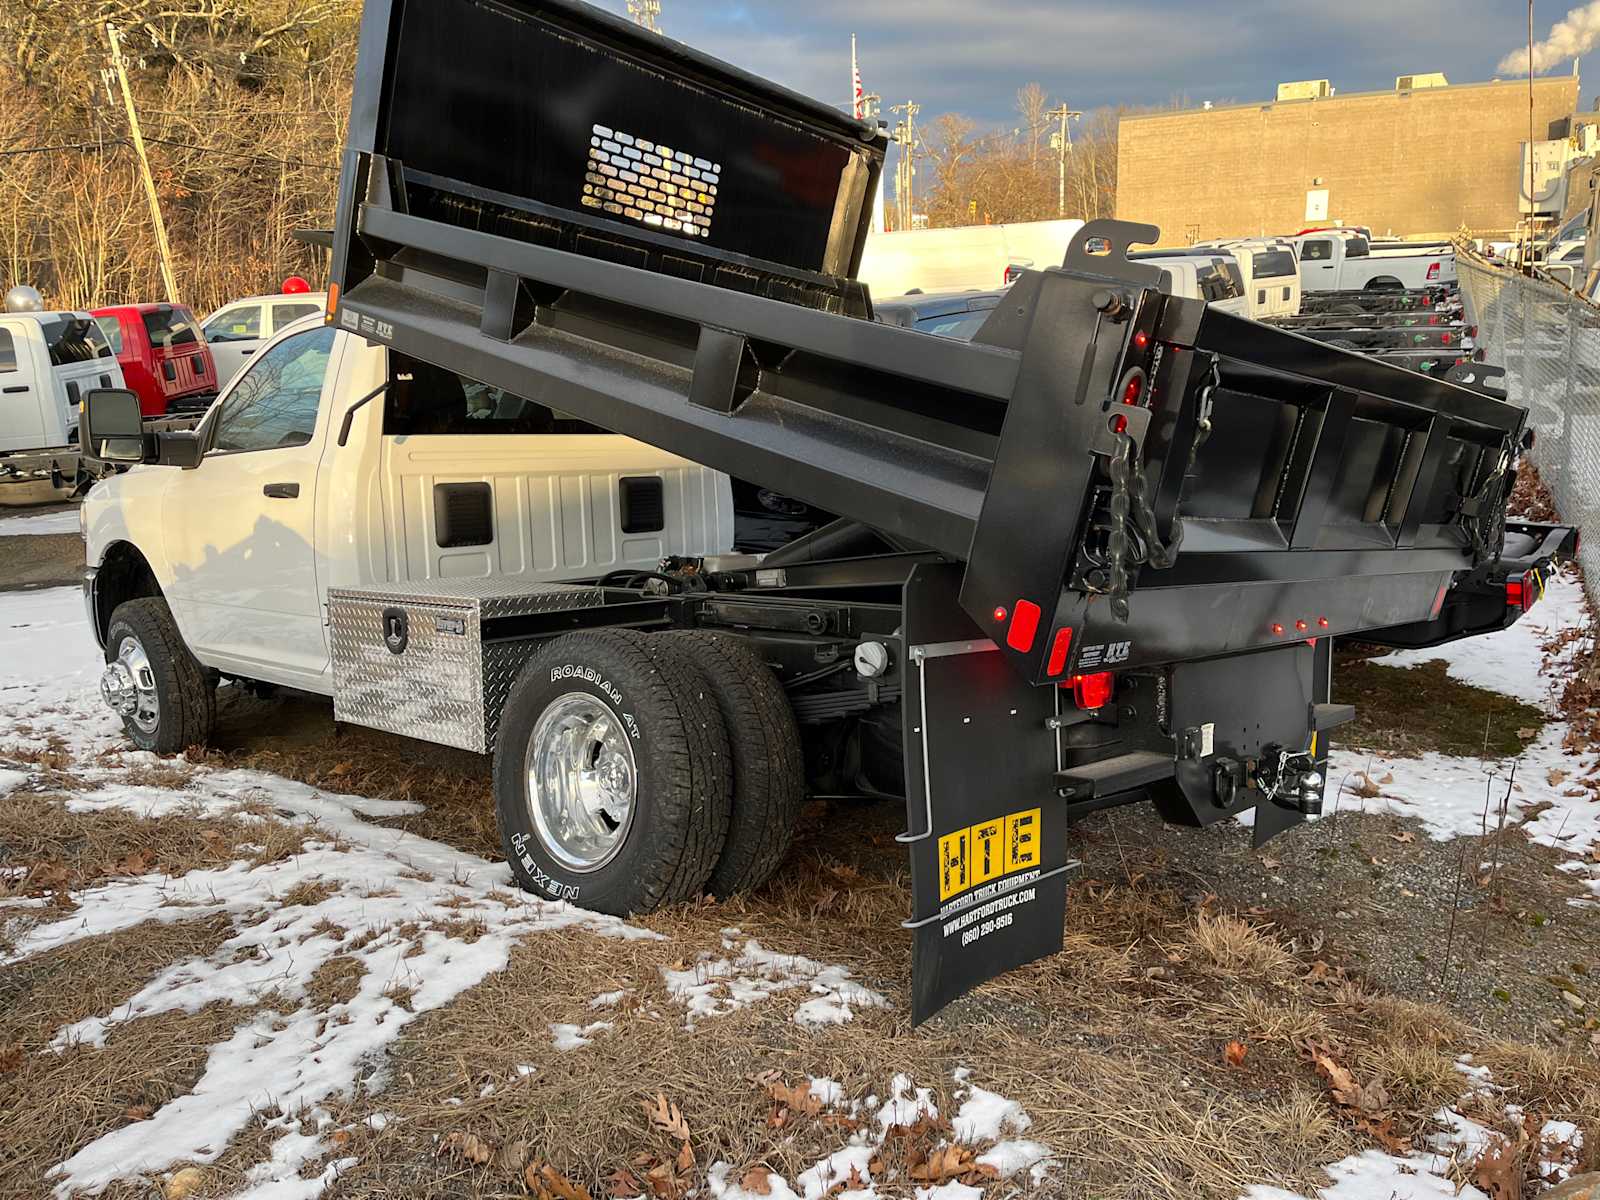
pixel 1339 261
pixel 1210 275
pixel 1271 272
pixel 162 357
pixel 236 331
pixel 437 478
pixel 48 362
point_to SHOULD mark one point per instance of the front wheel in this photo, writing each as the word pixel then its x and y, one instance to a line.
pixel 163 695
pixel 612 775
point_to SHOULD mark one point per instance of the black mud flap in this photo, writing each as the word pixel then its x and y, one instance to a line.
pixel 986 833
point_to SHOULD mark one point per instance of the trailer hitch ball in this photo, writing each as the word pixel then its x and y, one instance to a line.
pixel 1309 796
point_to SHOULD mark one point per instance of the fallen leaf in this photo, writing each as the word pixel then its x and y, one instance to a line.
pixel 1271 864
pixel 667 1117
pixel 1405 837
pixel 1388 777
pixel 1556 776
pixel 512 1157
pixel 757 1180
pixel 1527 734
pixel 1346 1090
pixel 623 1185
pixel 799 1097
pixel 467 1146
pixel 1233 1054
pixel 547 1183
pixel 138 1112
pixel 340 1137
pixel 686 1158
pixel 1385 1134
pixel 140 862
pixel 946 1163
pixel 343 768
pixel 10 1057
pixel 1498 1172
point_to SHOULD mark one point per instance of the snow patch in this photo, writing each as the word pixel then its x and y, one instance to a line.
pixel 575 1037
pixel 714 986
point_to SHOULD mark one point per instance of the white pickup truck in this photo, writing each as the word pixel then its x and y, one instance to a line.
pixel 48 361
pixel 333 462
pixel 1339 261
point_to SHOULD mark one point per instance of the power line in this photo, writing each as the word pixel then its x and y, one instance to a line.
pixel 10 152
pixel 112 143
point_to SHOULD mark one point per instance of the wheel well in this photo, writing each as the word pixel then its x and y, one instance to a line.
pixel 124 575
pixel 1384 283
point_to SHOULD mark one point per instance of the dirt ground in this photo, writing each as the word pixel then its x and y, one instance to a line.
pixel 1357 937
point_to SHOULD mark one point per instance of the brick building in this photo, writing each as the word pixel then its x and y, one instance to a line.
pixel 1422 161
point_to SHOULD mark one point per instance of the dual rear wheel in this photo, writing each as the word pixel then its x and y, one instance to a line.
pixel 634 770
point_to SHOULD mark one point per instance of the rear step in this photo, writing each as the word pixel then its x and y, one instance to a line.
pixel 1111 776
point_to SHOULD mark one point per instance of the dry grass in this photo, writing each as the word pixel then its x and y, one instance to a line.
pixel 1229 944
pixel 63 851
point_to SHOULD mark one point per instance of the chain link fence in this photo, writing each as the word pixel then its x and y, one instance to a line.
pixel 1548 341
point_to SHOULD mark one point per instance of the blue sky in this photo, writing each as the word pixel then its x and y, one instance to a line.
pixel 970 56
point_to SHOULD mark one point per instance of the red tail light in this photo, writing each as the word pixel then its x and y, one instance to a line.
pixel 1522 591
pixel 1433 271
pixel 1447 338
pixel 1093 691
pixel 1024 625
pixel 1135 389
pixel 1434 319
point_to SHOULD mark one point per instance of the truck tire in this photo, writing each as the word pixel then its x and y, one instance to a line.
pixel 166 699
pixel 768 766
pixel 612 777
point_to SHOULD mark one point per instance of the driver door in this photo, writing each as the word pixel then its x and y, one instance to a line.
pixel 239 527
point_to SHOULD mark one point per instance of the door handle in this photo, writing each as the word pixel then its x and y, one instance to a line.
pixel 16 391
pixel 247 353
pixel 281 491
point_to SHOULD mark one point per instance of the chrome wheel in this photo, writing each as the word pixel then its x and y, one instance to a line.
pixel 581 782
pixel 129 686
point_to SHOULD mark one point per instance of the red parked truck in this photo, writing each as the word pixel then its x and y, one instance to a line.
pixel 164 359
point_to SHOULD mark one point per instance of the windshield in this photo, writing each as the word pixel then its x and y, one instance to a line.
pixel 73 339
pixel 1273 264
pixel 169 327
pixel 112 328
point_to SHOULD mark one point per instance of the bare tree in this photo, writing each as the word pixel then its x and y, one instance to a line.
pixel 1032 101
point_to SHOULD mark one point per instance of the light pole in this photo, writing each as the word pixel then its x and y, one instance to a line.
pixel 906 134
pixel 646 13
pixel 1062 145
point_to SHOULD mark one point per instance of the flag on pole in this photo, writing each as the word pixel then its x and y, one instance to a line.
pixel 857 96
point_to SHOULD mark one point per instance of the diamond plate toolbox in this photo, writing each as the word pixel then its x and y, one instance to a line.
pixel 426 660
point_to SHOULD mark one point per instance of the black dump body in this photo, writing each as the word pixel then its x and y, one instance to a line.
pixel 1107 479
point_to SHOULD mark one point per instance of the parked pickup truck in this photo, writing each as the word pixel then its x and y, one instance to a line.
pixel 1344 262
pixel 48 361
pixel 1096 555
pixel 162 357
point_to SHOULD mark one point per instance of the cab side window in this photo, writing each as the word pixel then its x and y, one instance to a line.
pixel 1319 251
pixel 285 315
pixel 8 352
pixel 241 324
pixel 275 403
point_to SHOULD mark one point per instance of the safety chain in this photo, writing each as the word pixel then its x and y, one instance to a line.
pixel 1128 500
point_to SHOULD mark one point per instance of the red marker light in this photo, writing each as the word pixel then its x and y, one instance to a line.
pixel 1277 631
pixel 1141 339
pixel 1059 652
pixel 1000 614
pixel 1135 389
pixel 1322 622
pixel 1024 625
pixel 1119 425
pixel 1301 626
pixel 1447 338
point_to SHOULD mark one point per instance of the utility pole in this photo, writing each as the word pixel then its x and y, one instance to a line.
pixel 1062 145
pixel 646 13
pixel 120 67
pixel 905 132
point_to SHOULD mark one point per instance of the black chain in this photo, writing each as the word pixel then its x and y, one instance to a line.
pixel 1128 501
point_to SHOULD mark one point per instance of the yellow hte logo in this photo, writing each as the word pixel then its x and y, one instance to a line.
pixel 998 846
